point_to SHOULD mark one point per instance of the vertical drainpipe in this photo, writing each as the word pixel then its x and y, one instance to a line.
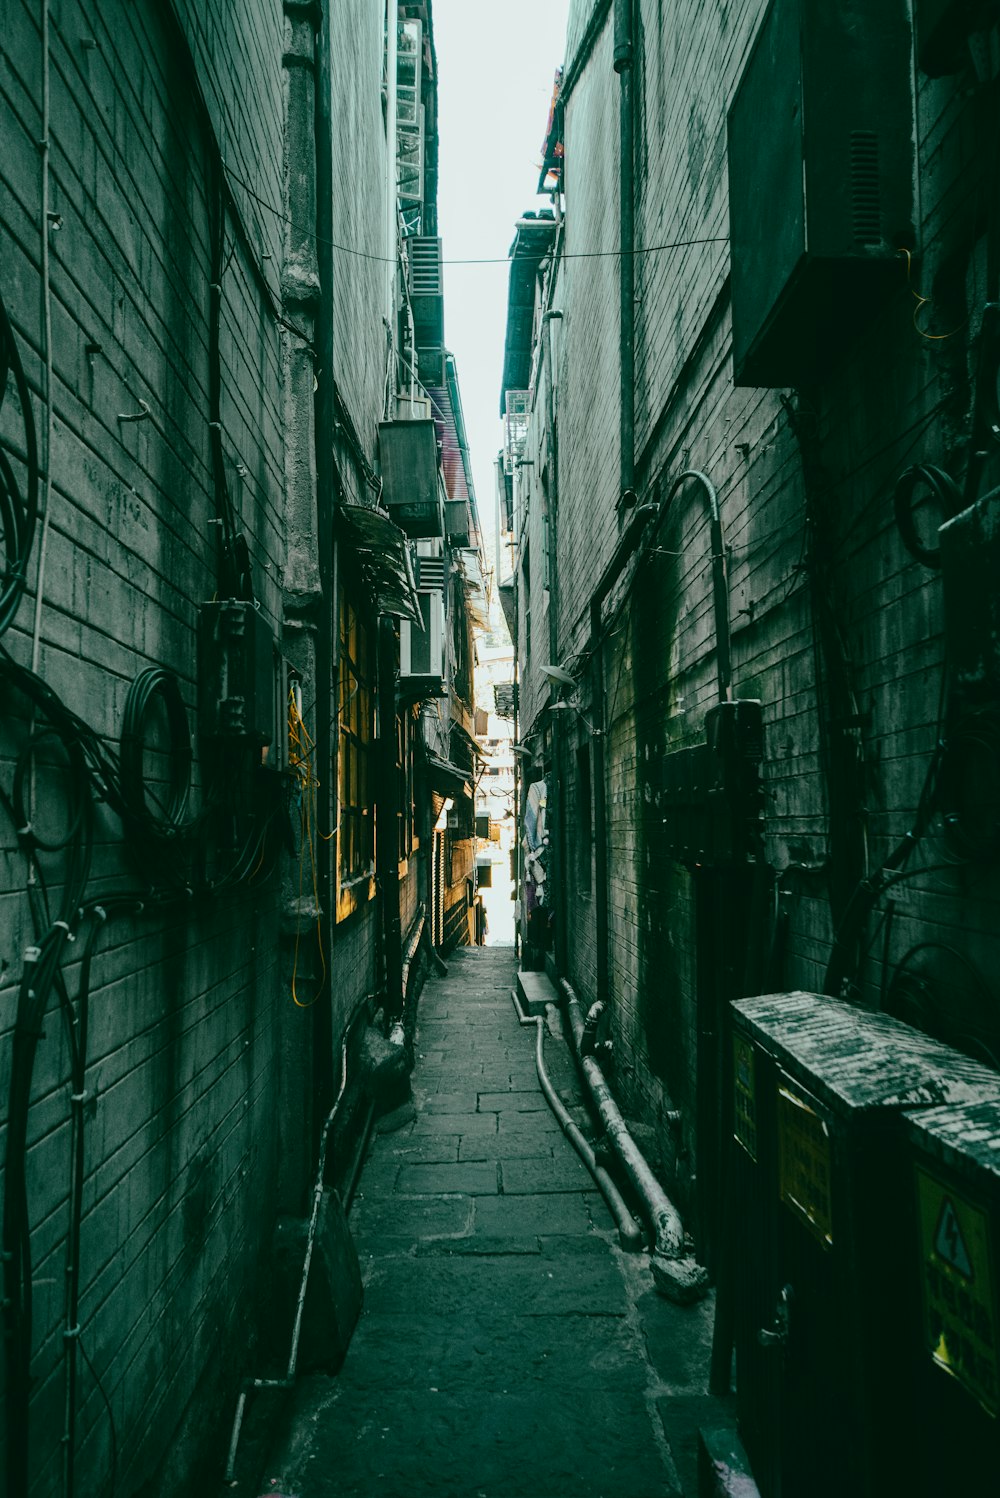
pixel 391 186
pixel 560 801
pixel 386 814
pixel 623 58
pixel 306 280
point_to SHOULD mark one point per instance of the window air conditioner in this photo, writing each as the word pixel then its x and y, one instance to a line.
pixel 421 653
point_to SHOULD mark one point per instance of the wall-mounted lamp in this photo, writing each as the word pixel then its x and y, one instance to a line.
pixel 559 675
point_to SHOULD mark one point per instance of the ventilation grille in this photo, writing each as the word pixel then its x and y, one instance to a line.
pixel 426 277
pixel 430 574
pixel 866 202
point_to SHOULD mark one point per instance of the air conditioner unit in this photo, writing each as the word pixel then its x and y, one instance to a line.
pixel 411 484
pixel 413 408
pixel 421 653
pixel 820 141
pixel 426 286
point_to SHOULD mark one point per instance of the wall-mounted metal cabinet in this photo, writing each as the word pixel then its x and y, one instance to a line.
pixel 951 1264
pixel 411 485
pixel 820 182
pixel 236 675
pixel 823 1323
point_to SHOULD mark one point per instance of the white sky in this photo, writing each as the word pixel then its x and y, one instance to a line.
pixel 496 64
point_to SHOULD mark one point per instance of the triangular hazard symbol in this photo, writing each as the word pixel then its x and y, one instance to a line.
pixel 949 1243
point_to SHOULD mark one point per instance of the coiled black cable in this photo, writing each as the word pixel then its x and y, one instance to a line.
pixel 18 513
pixel 945 491
pixel 168 821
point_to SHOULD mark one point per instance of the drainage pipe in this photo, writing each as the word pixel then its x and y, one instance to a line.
pixel 293 1356
pixel 629 1232
pixel 629 540
pixel 623 45
pixel 675 1274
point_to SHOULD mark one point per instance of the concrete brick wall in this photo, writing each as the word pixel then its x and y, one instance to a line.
pixel 187 1013
pixel 359 165
pixel 894 398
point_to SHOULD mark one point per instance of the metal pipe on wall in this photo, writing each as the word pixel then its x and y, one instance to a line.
pixel 676 1274
pixel 629 1231
pixel 624 35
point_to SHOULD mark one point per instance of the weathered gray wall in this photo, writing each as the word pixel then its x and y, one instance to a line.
pixel 180 1134
pixel 878 410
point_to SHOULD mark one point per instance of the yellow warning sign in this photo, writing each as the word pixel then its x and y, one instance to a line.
pixel 959 1309
pixel 744 1095
pixel 804 1164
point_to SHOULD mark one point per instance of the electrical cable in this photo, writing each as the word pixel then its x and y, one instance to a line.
pixel 310 233
pixel 169 821
pixel 18 512
pixel 945 491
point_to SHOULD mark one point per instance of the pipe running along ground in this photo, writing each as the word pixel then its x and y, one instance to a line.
pixel 293 1356
pixel 675 1273
pixel 629 1231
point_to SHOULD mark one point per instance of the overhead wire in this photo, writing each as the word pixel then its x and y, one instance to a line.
pixel 305 229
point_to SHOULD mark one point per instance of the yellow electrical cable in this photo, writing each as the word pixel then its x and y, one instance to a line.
pixel 925 301
pixel 300 748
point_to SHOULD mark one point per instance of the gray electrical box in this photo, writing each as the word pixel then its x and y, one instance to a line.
pixel 820 183
pixel 236 674
pixel 819 1191
pixel 950 1263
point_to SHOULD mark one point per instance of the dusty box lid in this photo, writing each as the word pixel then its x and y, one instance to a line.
pixel 852 1059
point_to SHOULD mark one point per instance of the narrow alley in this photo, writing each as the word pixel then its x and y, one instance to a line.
pixel 507 1345
pixel 499 549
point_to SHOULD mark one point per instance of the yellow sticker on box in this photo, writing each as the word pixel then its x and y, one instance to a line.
pixel 744 1095
pixel 804 1164
pixel 960 1325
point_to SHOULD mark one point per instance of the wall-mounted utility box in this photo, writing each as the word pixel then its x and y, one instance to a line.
pixel 712 798
pixel 951 1264
pixel 820 183
pixel 825 1327
pixel 236 674
pixel 411 486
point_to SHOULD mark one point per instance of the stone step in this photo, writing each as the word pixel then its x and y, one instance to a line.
pixel 534 991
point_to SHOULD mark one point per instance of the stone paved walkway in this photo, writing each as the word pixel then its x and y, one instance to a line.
pixel 507 1347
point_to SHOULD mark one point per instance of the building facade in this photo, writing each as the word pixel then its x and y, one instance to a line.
pixel 218 785
pixel 747 390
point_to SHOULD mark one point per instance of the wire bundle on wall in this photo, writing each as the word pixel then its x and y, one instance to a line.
pixel 168 847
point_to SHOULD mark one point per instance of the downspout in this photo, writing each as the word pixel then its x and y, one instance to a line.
pixel 629 540
pixel 720 581
pixel 391 184
pixel 676 1275
pixel 623 58
pixel 558 846
pixel 319 1188
pixel 387 813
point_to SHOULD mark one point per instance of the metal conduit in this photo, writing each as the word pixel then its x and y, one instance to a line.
pixel 676 1275
pixel 288 1381
pixel 629 1232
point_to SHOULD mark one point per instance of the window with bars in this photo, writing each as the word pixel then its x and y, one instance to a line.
pixel 356 845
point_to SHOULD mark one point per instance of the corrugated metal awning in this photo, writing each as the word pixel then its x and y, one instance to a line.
pixel 445 776
pixel 383 553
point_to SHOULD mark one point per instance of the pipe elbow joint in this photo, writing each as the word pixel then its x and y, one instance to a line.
pixel 682 1280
